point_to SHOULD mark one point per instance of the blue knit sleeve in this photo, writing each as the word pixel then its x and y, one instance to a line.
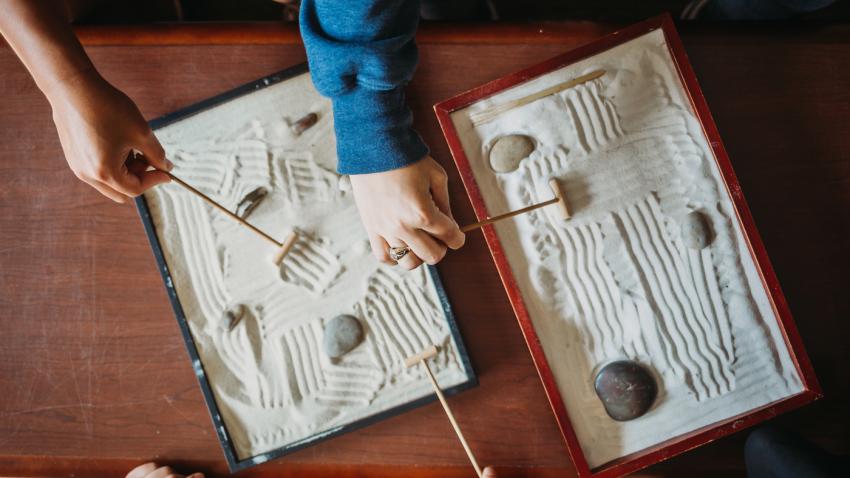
pixel 361 55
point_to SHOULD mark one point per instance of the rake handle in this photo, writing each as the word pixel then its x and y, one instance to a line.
pixel 223 209
pixel 452 420
pixel 491 220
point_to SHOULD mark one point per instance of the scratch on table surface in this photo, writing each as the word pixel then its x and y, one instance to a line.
pixel 87 350
pixel 162 352
pixel 170 402
pixel 84 412
pixel 10 436
pixel 89 406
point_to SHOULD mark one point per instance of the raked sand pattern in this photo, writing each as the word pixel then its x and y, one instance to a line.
pixel 271 379
pixel 617 281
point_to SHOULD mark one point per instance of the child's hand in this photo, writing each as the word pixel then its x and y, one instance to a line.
pixel 99 126
pixel 150 470
pixel 408 206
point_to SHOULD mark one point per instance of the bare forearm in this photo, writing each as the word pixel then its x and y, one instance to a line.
pixel 99 126
pixel 39 32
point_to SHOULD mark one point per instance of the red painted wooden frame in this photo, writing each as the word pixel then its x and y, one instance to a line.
pixel 662 451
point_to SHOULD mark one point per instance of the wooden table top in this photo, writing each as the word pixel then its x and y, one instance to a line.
pixel 94 375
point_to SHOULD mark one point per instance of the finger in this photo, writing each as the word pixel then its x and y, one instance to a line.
pixel 409 261
pixel 161 472
pixel 440 192
pixel 154 152
pixel 138 167
pixel 107 191
pixel 142 471
pixel 445 229
pixel 123 181
pixel 149 179
pixel 127 182
pixel 424 246
pixel 489 472
pixel 379 249
pixel 196 475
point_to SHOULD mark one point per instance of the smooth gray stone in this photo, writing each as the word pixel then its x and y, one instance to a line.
pixel 509 151
pixel 342 334
pixel 626 389
pixel 696 231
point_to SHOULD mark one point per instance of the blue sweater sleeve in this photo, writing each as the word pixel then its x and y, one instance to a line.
pixel 361 55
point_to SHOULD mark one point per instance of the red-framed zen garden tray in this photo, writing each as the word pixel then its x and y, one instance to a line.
pixel 660 264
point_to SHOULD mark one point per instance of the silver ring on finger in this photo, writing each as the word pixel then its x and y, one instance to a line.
pixel 397 253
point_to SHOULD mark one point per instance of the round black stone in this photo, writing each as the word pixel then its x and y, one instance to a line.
pixel 626 389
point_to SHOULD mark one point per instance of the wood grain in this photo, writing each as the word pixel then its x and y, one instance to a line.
pixel 94 374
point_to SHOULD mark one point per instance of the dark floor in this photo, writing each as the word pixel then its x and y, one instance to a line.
pixel 617 11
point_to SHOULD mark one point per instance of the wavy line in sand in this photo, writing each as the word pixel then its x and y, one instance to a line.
pixel 310 264
pixel 402 317
pixel 681 320
pixel 647 108
pixel 590 293
pixel 544 161
pixel 302 348
pixel 199 253
pixel 700 319
pixel 257 363
pixel 588 284
pixel 225 172
pixel 302 179
pixel 241 350
pixel 315 376
pixel 594 117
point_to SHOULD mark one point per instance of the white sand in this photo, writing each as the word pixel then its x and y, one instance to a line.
pixel 271 380
pixel 616 281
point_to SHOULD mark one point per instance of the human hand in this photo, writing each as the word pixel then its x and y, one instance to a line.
pixel 151 470
pixel 99 127
pixel 408 206
pixel 489 472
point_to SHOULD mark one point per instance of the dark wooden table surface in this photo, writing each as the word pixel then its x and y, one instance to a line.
pixel 93 374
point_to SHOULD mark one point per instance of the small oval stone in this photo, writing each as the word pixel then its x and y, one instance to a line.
pixel 342 334
pixel 696 231
pixel 304 123
pixel 232 316
pixel 508 151
pixel 250 202
pixel 626 389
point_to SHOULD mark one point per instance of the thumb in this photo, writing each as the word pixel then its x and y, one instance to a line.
pixel 489 472
pixel 149 179
pixel 444 228
pixel 154 153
